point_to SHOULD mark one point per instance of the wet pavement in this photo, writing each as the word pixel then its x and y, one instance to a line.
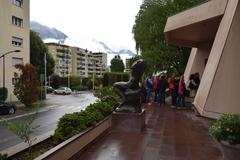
pixel 47 118
pixel 168 135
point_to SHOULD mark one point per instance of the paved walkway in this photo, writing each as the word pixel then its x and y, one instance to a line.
pixel 169 135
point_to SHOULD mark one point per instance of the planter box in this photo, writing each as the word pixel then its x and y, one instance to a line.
pixel 230 152
pixel 72 146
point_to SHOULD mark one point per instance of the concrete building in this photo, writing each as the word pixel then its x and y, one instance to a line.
pixel 87 63
pixel 14 35
pixel 127 65
pixel 77 61
pixel 212 30
pixel 62 54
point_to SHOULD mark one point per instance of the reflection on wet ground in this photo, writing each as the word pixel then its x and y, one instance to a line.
pixel 169 135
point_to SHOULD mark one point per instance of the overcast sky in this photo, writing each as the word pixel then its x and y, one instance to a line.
pixel 86 21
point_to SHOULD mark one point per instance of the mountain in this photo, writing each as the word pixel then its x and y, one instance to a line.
pixel 46 32
pixel 111 51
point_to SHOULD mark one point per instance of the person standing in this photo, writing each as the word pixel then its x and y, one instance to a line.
pixel 172 85
pixel 181 93
pixel 192 86
pixel 155 86
pixel 149 88
pixel 162 85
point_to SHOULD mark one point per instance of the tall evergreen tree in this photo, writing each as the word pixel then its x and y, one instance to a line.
pixel 117 64
pixel 37 53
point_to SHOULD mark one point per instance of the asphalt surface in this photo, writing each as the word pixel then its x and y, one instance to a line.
pixel 47 118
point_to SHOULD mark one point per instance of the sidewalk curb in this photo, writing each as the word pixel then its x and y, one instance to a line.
pixel 27 114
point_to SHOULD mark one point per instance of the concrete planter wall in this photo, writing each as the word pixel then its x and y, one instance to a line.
pixel 72 146
pixel 230 152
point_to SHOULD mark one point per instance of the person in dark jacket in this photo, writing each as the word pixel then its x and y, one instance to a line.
pixel 161 88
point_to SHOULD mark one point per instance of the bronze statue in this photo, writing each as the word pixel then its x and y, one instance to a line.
pixel 130 91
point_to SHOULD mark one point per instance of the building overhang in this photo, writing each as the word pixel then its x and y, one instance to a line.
pixel 195 26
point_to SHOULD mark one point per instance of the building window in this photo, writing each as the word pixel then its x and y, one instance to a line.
pixel 17 41
pixel 16 61
pixel 17 21
pixel 18 3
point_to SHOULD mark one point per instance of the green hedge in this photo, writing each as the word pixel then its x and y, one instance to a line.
pixel 3 93
pixel 109 78
pixel 75 82
pixel 73 123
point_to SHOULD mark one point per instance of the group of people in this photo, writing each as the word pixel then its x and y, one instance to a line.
pixel 155 88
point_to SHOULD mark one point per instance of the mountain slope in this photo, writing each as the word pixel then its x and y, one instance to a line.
pixel 46 32
pixel 111 51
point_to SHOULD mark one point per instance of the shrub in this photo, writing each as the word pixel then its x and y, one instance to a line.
pixel 109 78
pixel 71 124
pixel 227 128
pixel 3 157
pixel 105 91
pixel 42 94
pixel 3 93
pixel 102 107
pixel 112 100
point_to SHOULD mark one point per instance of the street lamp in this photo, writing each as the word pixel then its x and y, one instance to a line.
pixel 3 56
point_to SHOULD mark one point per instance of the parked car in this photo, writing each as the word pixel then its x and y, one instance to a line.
pixel 63 90
pixel 7 108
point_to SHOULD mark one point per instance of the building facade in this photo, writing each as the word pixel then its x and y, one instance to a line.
pixel 86 63
pixel 62 55
pixel 127 63
pixel 14 35
pixel 212 31
pixel 77 61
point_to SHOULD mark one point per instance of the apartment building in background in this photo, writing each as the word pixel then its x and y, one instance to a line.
pixel 62 55
pixel 127 65
pixel 86 63
pixel 14 35
pixel 77 61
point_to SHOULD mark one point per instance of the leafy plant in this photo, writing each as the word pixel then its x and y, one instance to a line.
pixel 112 100
pixel 105 91
pixel 23 129
pixel 227 128
pixel 3 156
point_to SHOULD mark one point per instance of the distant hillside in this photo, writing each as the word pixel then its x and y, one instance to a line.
pixel 46 32
pixel 111 51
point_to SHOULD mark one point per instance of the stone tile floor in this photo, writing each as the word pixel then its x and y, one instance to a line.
pixel 168 135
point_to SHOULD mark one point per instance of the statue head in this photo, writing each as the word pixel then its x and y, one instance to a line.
pixel 138 68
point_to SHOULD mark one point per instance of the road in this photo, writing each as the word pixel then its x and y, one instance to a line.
pixel 57 106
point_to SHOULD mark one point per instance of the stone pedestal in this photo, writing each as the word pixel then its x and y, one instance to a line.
pixel 128 122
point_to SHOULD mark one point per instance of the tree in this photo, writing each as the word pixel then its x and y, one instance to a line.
pixel 133 59
pixel 55 81
pixel 27 87
pixel 22 129
pixel 148 34
pixel 117 64
pixel 37 53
